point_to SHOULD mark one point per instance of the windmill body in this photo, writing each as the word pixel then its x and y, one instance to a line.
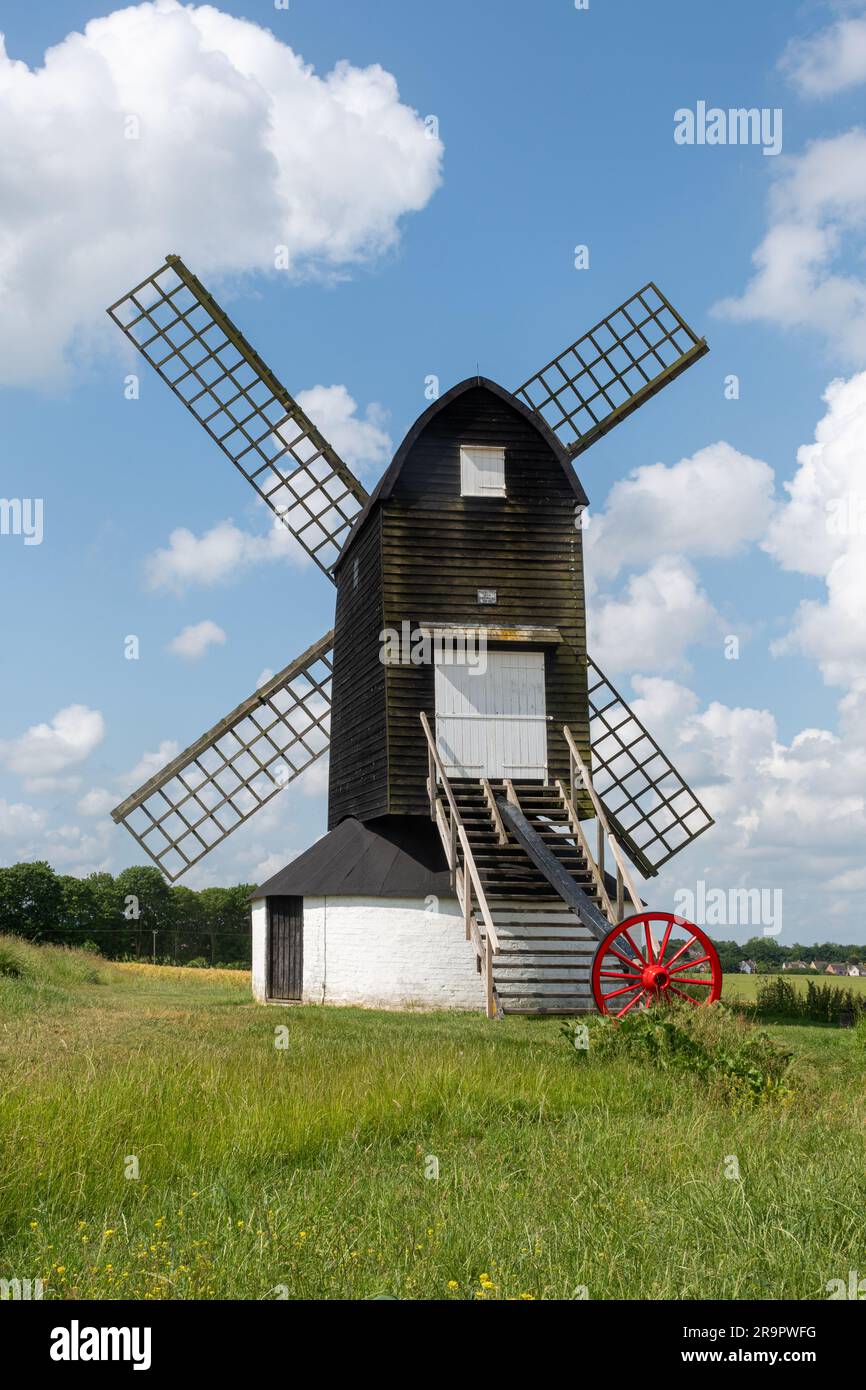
pixel 497 559
pixel 471 736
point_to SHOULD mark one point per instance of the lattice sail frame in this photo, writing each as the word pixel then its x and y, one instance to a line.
pixel 649 805
pixel 222 779
pixel 611 370
pixel 206 361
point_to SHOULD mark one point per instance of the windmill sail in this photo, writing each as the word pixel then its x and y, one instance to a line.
pixel 609 372
pixel 223 778
pixel 651 808
pixel 209 365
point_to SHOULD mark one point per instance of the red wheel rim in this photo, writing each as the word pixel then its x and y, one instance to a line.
pixel 648 959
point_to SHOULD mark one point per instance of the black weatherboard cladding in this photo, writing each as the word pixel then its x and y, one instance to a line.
pixel 434 550
pixel 358 783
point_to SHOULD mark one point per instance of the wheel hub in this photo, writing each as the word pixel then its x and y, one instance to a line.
pixel 655 977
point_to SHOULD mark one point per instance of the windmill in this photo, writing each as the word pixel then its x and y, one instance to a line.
pixel 475 526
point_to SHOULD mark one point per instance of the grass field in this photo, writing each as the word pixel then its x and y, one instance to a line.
pixel 745 987
pixel 304 1171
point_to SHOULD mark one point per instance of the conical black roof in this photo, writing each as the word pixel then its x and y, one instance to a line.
pixel 393 857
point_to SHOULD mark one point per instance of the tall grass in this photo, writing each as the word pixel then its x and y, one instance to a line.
pixel 818 1003
pixel 310 1169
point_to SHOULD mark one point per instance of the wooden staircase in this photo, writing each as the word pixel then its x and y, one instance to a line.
pixel 535 900
pixel 545 953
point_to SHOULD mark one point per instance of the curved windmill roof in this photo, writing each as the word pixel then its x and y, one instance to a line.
pixel 385 485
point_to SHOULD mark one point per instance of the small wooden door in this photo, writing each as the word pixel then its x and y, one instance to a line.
pixel 493 723
pixel 285 948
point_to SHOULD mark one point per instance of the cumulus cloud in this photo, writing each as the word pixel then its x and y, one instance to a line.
pixel 713 503
pixel 44 750
pixel 27 833
pixel 361 441
pixel 217 556
pixel 193 641
pixel 651 623
pixel 18 820
pixel 788 815
pixel 821 531
pixel 817 207
pixel 97 802
pixel 831 61
pixel 164 127
pixel 151 763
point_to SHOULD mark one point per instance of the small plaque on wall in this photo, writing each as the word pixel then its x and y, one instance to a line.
pixel 486 595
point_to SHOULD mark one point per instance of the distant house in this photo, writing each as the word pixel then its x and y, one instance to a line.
pixel 795 965
pixel 854 967
pixel 819 965
pixel 748 967
pixel 835 969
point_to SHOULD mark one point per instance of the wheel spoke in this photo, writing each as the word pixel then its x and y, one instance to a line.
pixel 625 990
pixel 682 994
pixel 681 980
pixel 685 946
pixel 617 975
pixel 634 948
pixel 688 965
pixel 634 1001
pixel 664 945
pixel 625 960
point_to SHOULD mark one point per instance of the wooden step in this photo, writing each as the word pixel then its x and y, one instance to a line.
pixel 524 992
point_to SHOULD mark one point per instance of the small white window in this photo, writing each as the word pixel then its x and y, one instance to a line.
pixel 482 471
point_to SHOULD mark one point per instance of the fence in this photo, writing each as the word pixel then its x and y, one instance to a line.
pixel 159 945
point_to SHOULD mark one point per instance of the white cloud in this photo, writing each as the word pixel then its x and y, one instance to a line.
pixel 361 441
pixel 27 834
pixel 150 763
pixel 193 641
pixel 817 210
pixel 218 556
pixel 47 749
pixel 264 676
pixel 241 148
pixel 97 802
pixel 713 503
pixel 18 820
pixel 660 612
pixel 821 531
pixel 788 815
pixel 830 61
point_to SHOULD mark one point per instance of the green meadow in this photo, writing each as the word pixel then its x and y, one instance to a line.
pixel 157 1143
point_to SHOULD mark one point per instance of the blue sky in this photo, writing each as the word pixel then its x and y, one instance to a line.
pixel 556 129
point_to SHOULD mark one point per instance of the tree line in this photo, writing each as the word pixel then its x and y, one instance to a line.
pixel 769 955
pixel 133 915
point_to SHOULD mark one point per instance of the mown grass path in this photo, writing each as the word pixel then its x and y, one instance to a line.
pixel 304 1171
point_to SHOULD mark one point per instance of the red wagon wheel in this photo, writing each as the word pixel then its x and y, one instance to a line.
pixel 626 975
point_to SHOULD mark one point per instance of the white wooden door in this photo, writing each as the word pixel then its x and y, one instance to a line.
pixel 493 723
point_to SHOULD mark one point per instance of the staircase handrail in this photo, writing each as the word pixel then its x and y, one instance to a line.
pixel 619 858
pixel 452 832
pixel 578 835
